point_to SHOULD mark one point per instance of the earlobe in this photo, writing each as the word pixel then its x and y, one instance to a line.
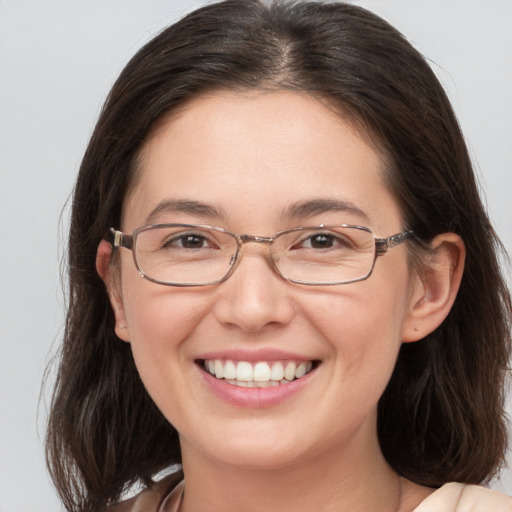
pixel 435 290
pixel 106 272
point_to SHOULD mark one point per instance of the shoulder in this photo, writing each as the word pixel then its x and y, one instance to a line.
pixel 454 497
pixel 149 499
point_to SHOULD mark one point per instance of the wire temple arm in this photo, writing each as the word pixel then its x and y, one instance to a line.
pixel 384 244
pixel 119 239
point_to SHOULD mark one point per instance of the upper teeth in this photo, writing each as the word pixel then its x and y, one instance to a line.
pixel 261 371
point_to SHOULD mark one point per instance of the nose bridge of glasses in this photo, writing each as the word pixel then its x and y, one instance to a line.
pixel 265 240
pixel 257 239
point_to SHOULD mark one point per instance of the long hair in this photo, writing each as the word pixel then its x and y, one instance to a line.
pixel 441 417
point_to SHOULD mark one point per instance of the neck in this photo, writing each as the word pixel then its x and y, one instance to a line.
pixel 353 478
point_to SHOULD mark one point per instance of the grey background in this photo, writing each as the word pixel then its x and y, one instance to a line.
pixel 58 59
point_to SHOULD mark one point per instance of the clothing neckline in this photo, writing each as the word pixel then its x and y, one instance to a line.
pixel 172 501
pixel 445 499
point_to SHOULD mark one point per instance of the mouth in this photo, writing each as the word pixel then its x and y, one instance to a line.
pixel 257 374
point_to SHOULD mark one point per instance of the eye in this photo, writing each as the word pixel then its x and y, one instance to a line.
pixel 324 241
pixel 189 241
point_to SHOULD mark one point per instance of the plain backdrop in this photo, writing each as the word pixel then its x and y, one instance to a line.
pixel 58 59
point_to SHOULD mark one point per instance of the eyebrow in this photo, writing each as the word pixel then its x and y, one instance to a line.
pixel 195 208
pixel 314 207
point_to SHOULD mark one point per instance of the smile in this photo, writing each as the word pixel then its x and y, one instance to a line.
pixel 260 374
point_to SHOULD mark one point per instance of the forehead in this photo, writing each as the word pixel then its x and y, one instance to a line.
pixel 255 153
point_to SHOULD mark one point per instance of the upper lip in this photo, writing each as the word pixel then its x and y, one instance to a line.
pixel 254 355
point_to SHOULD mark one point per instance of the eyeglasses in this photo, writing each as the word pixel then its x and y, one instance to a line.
pixel 197 255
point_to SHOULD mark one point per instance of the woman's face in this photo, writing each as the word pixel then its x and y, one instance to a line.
pixel 250 159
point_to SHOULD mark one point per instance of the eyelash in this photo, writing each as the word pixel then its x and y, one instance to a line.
pixel 332 237
pixel 184 236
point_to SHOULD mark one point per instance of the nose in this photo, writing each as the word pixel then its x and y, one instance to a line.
pixel 255 297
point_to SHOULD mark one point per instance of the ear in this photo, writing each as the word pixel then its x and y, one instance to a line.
pixel 107 273
pixel 435 287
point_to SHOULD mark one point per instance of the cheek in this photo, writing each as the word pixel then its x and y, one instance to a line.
pixel 160 328
pixel 156 314
pixel 366 346
pixel 159 320
pixel 362 324
pixel 359 314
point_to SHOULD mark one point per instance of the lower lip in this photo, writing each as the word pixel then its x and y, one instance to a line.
pixel 255 398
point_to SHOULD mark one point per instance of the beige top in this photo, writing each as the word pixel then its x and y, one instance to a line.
pixel 455 497
pixel 452 497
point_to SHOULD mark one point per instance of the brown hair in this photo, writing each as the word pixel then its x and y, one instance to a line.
pixel 441 417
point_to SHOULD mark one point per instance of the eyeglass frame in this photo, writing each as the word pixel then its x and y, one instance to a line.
pixel 382 246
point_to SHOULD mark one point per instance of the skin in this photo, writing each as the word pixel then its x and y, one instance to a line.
pixel 252 156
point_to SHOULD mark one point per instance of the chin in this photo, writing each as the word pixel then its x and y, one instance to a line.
pixel 258 458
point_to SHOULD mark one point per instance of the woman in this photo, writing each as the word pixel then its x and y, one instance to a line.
pixel 282 279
